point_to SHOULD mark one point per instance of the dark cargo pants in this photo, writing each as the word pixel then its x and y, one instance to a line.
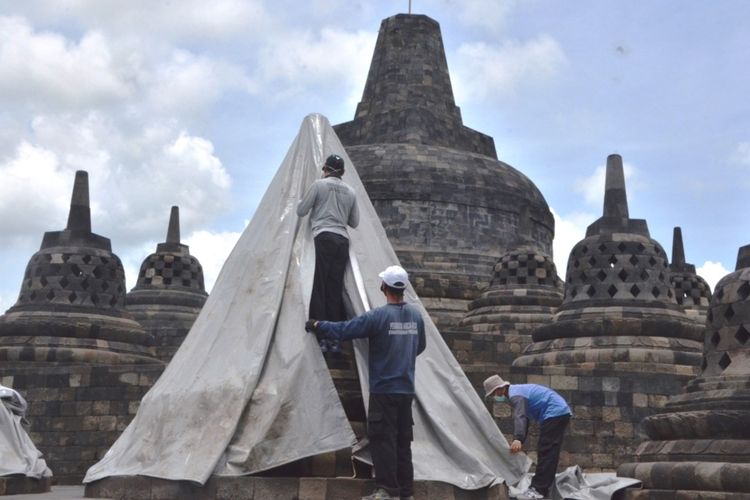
pixel 326 300
pixel 390 431
pixel 551 433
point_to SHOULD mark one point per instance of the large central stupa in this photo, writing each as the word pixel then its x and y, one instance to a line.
pixel 449 207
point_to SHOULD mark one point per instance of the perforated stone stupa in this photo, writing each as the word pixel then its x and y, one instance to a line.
pixel 71 307
pixel 619 344
pixel 691 291
pixel 169 293
pixel 699 445
pixel 72 349
pixel 524 293
pixel 449 207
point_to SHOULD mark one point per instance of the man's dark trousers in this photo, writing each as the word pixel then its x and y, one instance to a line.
pixel 551 433
pixel 331 256
pixel 390 431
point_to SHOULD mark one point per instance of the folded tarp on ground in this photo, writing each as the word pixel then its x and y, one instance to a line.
pixel 249 390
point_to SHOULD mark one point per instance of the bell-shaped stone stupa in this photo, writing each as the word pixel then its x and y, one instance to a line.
pixel 524 294
pixel 691 291
pixel 169 293
pixel 72 348
pixel 71 308
pixel 700 443
pixel 619 344
pixel 449 207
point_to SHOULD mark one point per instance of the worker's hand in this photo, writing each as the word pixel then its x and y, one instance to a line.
pixel 311 325
pixel 515 446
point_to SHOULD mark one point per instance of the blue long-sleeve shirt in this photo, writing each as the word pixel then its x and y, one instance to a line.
pixel 396 336
pixel 536 402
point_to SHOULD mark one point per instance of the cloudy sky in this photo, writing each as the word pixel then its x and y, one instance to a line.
pixel 195 103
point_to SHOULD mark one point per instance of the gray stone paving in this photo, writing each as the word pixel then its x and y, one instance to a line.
pixel 57 493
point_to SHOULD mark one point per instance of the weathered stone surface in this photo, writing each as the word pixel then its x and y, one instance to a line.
pixel 619 345
pixel 72 349
pixel 265 488
pixel 20 485
pixel 449 207
pixel 169 293
pixel 691 291
pixel 700 441
pixel 71 308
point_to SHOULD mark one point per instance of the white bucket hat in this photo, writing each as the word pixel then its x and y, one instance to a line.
pixel 493 383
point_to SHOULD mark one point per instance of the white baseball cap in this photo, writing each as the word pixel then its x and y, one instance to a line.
pixel 395 277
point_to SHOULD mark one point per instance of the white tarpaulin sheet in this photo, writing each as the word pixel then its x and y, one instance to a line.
pixel 574 484
pixel 249 390
pixel 18 455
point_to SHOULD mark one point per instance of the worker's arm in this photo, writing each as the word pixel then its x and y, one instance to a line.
pixel 422 339
pixel 520 418
pixel 354 215
pixel 358 327
pixel 308 200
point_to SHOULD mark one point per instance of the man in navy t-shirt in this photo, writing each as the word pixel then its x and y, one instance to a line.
pixel 546 407
pixel 396 336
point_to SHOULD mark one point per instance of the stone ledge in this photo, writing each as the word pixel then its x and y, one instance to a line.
pixel 277 488
pixel 18 485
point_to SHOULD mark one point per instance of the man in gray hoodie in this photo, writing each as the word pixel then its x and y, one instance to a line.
pixel 332 205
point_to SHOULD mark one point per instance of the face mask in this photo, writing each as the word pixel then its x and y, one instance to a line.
pixel 499 399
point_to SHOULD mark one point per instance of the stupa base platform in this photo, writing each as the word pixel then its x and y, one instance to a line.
pixel 276 488
pixel 633 494
pixel 20 485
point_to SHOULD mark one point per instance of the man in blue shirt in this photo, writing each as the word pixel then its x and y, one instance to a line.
pixel 396 336
pixel 546 407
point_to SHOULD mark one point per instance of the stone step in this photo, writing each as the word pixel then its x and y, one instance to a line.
pixel 276 488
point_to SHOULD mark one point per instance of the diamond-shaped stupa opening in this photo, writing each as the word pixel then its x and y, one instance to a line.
pixel 725 361
pixel 742 335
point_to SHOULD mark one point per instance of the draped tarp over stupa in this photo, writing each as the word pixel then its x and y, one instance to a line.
pixel 249 390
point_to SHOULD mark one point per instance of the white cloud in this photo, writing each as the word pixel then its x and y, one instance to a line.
pixel 742 154
pixel 186 19
pixel 43 68
pixel 134 176
pixel 489 14
pixel 186 82
pixel 35 189
pixel 592 187
pixel 569 230
pixel 303 59
pixel 483 71
pixel 212 250
pixel 712 272
pixel 47 72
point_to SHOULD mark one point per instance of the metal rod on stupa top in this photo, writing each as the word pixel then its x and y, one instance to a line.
pixel 409 6
pixel 173 231
pixel 615 197
pixel 79 217
pixel 678 250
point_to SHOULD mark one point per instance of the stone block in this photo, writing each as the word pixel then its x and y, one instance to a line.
pixel 640 400
pixel 313 488
pixel 276 488
pixel 539 379
pixel 100 408
pixel 234 488
pixel 128 378
pixel 443 491
pixel 564 382
pixel 348 488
